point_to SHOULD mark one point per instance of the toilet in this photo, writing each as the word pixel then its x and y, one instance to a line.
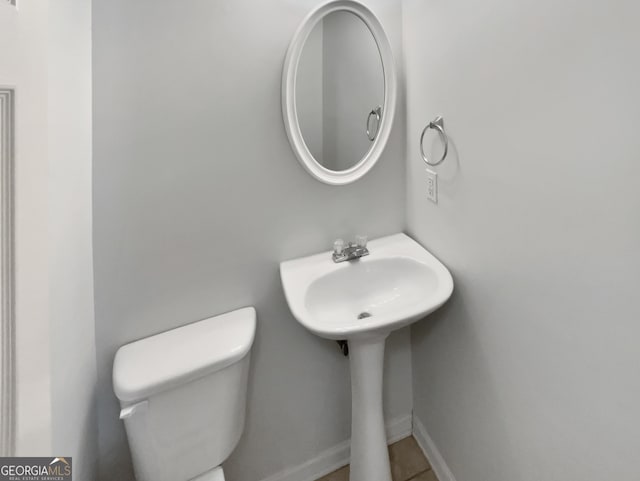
pixel 183 397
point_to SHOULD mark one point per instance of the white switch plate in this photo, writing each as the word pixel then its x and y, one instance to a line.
pixel 432 186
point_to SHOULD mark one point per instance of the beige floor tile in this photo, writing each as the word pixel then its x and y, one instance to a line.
pixel 407 464
pixel 428 476
pixel 407 459
pixel 341 474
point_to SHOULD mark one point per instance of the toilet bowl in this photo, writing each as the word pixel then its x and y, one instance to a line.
pixel 183 397
pixel 215 474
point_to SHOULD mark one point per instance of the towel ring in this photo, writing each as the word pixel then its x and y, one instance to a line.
pixel 436 124
pixel 378 113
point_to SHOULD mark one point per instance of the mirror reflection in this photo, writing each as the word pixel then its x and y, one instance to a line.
pixel 339 90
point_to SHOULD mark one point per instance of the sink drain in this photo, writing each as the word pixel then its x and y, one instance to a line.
pixel 364 315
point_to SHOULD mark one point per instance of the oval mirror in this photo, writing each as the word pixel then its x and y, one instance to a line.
pixel 338 92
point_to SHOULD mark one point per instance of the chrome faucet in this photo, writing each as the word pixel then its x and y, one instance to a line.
pixel 352 251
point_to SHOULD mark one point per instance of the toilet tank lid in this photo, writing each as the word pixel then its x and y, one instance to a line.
pixel 157 363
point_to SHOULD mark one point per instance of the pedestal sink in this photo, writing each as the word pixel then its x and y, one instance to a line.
pixel 363 301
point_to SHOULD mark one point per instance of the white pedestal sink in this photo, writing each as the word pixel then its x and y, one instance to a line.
pixel 362 301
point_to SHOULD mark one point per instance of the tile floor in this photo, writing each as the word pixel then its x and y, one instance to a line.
pixel 407 464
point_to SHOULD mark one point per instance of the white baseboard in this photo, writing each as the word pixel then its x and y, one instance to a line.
pixel 430 450
pixel 337 456
pixel 399 428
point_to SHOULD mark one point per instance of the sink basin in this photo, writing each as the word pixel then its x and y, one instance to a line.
pixel 398 283
pixel 362 301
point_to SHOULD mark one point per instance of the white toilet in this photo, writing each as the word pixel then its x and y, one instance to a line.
pixel 183 396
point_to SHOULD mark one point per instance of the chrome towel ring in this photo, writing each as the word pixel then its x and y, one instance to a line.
pixel 436 124
pixel 378 113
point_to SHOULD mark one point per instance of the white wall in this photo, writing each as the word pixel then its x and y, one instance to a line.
pixel 45 54
pixel 23 66
pixel 531 371
pixel 198 197
pixel 73 358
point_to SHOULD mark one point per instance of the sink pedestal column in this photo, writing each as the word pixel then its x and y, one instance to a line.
pixel 369 454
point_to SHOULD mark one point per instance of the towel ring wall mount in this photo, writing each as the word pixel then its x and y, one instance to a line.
pixel 438 125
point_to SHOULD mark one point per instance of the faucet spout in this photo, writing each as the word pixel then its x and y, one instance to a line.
pixel 353 251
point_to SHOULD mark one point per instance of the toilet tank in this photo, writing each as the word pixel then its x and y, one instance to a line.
pixel 183 395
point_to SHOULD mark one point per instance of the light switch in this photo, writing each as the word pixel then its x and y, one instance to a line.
pixel 432 186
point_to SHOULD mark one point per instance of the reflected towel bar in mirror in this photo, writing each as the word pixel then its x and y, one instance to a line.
pixel 377 113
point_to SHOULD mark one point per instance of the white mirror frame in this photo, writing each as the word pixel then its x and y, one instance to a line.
pixel 289 109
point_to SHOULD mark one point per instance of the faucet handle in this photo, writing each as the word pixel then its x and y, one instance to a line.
pixel 361 241
pixel 338 246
